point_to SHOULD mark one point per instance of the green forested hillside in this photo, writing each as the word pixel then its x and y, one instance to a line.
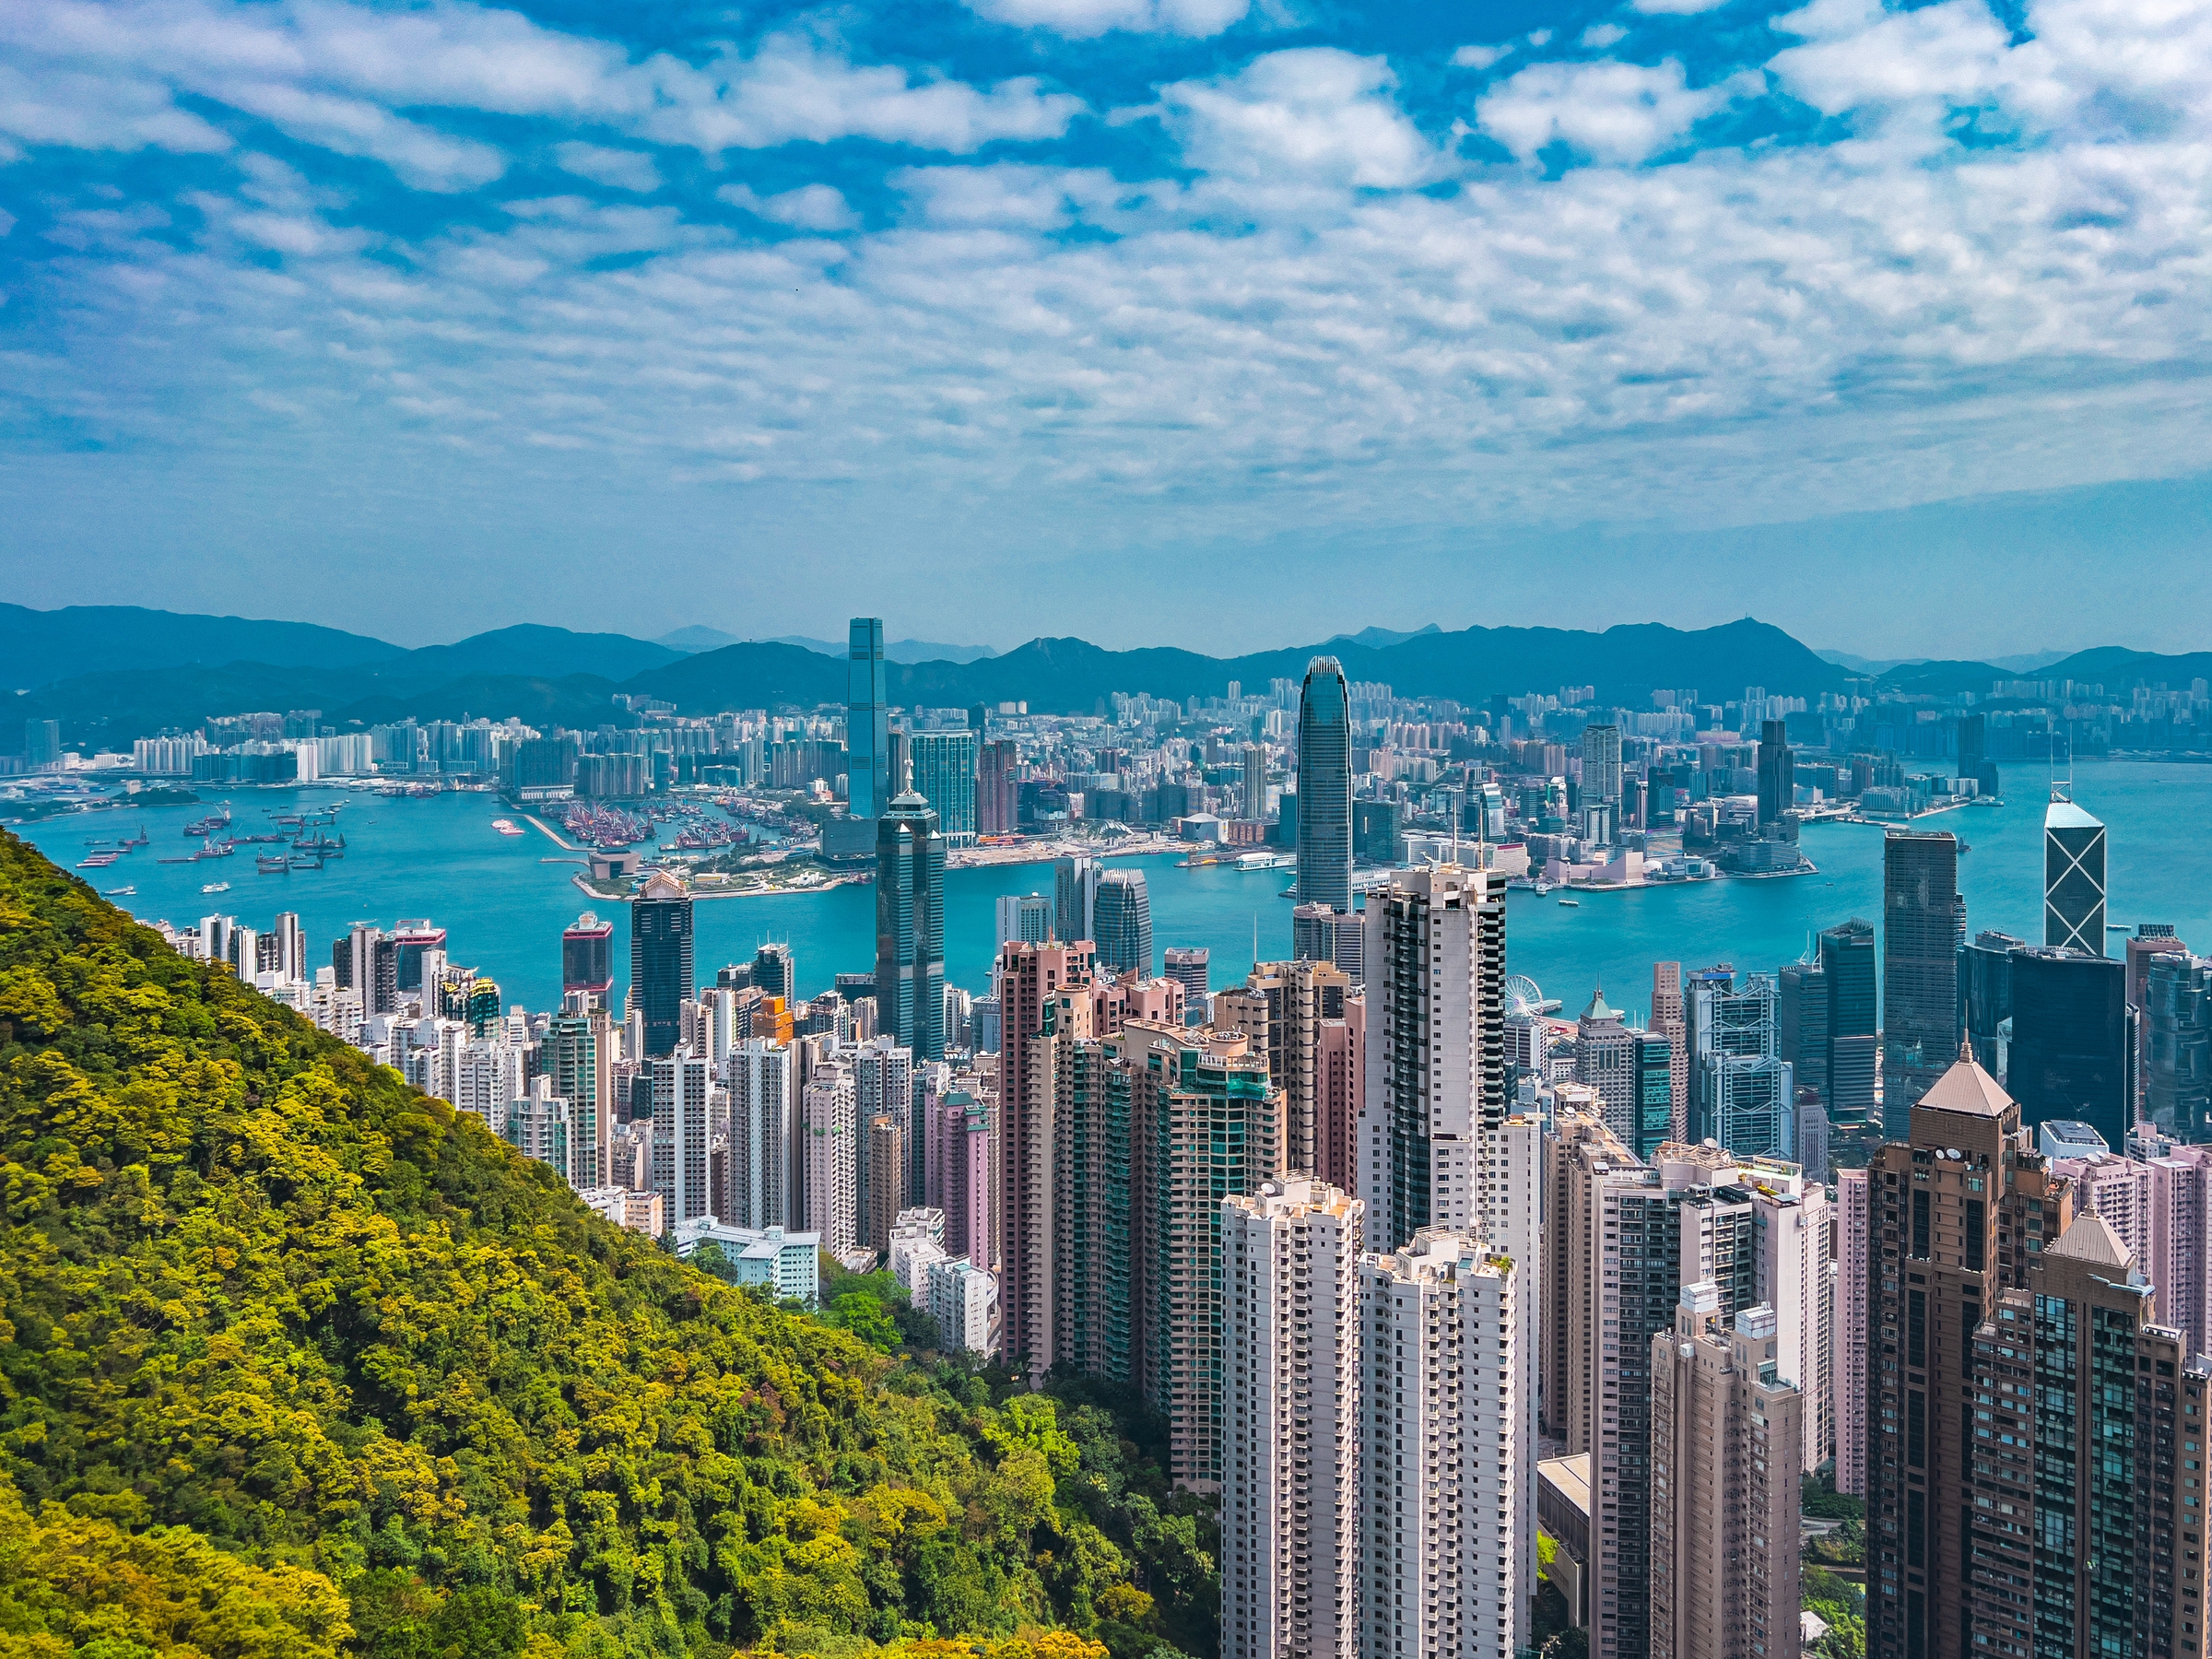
pixel 293 1362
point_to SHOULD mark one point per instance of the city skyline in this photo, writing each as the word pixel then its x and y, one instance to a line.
pixel 965 301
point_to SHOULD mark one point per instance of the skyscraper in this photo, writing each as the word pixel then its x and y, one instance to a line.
pixel 1443 1566
pixel 997 790
pixel 1777 772
pixel 1291 1423
pixel 909 927
pixel 1847 971
pixel 1025 918
pixel 2069 1052
pixel 1434 1102
pixel 1188 965
pixel 1667 1020
pixel 1604 1059
pixel 587 957
pixel 1211 1124
pixel 578 1054
pixel 1847 1338
pixel 867 721
pixel 1957 1214
pixel 1725 1419
pixel 1601 764
pixel 883 1076
pixel 1324 787
pixel 1122 924
pixel 680 1085
pixel 660 962
pixel 764 1135
pixel 829 1129
pixel 775 972
pixel 1098 1235
pixel 2073 877
pixel 1800 1027
pixel 1286 1007
pixel 1075 893
pixel 1255 804
pixel 1032 980
pixel 945 776
pixel 2106 1555
pixel 1738 1096
pixel 1923 923
pixel 2177 1012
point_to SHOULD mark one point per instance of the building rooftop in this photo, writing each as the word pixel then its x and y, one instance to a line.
pixel 2091 1238
pixel 1966 1087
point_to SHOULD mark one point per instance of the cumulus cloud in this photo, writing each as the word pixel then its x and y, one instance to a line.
pixel 1087 19
pixel 1313 112
pixel 334 75
pixel 809 207
pixel 1478 58
pixel 1312 315
pixel 1612 111
pixel 616 168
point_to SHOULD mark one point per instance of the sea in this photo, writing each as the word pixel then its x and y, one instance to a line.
pixel 504 900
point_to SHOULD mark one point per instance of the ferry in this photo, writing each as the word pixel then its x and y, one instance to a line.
pixel 121 892
pixel 1571 903
pixel 217 886
pixel 506 827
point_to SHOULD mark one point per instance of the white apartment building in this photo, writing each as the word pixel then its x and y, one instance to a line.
pixel 1290 1421
pixel 682 1086
pixel 757 1076
pixel 962 1300
pixel 1442 1440
pixel 829 1129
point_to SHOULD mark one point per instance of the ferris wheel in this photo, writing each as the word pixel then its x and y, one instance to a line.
pixel 1524 997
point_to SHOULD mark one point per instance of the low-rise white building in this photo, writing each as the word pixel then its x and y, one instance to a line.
pixel 789 1263
pixel 963 1299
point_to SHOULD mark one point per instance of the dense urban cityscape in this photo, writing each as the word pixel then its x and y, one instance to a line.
pixel 1914 1225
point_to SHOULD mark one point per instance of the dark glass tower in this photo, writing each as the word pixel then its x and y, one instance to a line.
pixel 1777 772
pixel 2068 1057
pixel 1847 967
pixel 867 721
pixel 587 957
pixel 2073 879
pixel 660 960
pixel 1324 787
pixel 1121 917
pixel 1985 991
pixel 909 927
pixel 2177 1076
pixel 1923 923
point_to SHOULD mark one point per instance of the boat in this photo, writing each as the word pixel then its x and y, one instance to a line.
pixel 272 866
pixel 505 826
pixel 98 861
pixel 121 892
pixel 217 886
pixel 1571 903
pixel 209 825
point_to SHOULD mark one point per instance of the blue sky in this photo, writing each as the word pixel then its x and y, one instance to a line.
pixel 1213 322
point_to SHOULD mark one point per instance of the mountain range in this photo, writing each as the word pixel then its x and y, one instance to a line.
pixel 111 673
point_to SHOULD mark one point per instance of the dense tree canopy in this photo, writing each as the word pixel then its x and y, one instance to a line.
pixel 275 1324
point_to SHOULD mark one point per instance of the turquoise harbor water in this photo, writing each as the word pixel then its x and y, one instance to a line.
pixel 503 907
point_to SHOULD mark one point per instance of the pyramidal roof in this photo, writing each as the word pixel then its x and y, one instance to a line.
pixel 661 884
pixel 1597 1010
pixel 1966 1087
pixel 2065 815
pixel 2091 1238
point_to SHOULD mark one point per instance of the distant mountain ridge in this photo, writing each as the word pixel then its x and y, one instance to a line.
pixel 169 680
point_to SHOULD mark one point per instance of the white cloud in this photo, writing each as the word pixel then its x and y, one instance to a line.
pixel 99 111
pixel 1677 8
pixel 333 74
pixel 1087 19
pixel 1313 112
pixel 616 168
pixel 793 90
pixel 1612 111
pixel 1856 54
pixel 1477 58
pixel 809 207
pixel 1599 35
pixel 1035 198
